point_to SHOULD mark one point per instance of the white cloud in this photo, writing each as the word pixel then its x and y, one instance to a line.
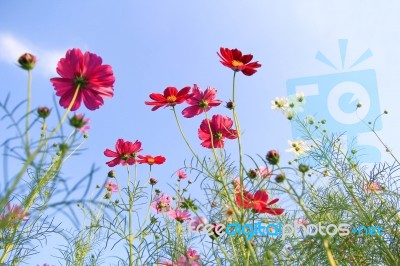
pixel 11 48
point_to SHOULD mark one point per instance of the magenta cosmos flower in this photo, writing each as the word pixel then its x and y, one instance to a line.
pixel 125 152
pixel 200 101
pixel 234 59
pixel 86 71
pixel 221 127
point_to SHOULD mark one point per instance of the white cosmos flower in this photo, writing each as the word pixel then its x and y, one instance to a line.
pixel 298 147
pixel 280 103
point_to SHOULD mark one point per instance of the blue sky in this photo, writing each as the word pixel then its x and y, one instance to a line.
pixel 155 44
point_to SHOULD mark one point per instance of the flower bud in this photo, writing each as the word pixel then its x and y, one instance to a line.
pixel 43 112
pixel 27 61
pixel 252 174
pixel 280 178
pixel 230 105
pixel 107 195
pixel 303 168
pixel 79 122
pixel 153 181
pixel 111 174
pixel 273 157
pixel 63 148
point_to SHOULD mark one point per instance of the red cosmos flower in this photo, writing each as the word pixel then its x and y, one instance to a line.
pixel 125 152
pixel 258 202
pixel 171 97
pixel 95 80
pixel 221 127
pixel 234 59
pixel 200 101
pixel 151 160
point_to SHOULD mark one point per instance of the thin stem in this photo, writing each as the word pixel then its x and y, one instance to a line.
pixel 33 155
pixel 28 110
pixel 130 237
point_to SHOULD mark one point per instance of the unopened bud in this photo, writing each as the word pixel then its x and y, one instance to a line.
pixel 273 157
pixel 230 105
pixel 43 112
pixel 111 174
pixel 252 173
pixel 304 168
pixel 153 181
pixel 27 61
pixel 280 178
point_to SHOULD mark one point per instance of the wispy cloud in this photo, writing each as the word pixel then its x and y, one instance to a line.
pixel 11 48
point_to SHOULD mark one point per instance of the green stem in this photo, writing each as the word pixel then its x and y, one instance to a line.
pixel 33 155
pixel 130 237
pixel 28 110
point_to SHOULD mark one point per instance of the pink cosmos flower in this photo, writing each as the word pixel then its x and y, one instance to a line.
pixel 86 71
pixel 125 152
pixel 196 221
pixel 192 258
pixel 79 122
pixel 111 186
pixel 372 186
pixel 15 212
pixel 200 101
pixel 264 172
pixel 179 215
pixel 302 221
pixel 181 174
pixel 221 127
pixel 165 263
pixel 161 203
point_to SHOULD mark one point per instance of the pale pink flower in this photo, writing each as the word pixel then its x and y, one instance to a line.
pixel 15 212
pixel 181 174
pixel 179 215
pixel 165 263
pixel 372 186
pixel 264 172
pixel 192 258
pixel 196 221
pixel 302 221
pixel 161 203
pixel 111 186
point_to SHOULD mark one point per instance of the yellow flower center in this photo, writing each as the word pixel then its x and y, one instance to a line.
pixel 236 63
pixel 150 160
pixel 171 99
pixel 203 104
pixel 218 136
